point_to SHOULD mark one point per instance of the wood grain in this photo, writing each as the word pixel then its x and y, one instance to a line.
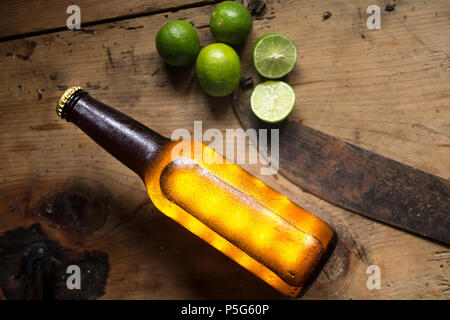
pixel 24 17
pixel 386 92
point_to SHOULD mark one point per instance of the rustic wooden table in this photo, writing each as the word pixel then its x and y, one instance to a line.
pixel 386 90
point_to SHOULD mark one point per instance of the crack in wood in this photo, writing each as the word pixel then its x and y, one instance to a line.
pixel 109 20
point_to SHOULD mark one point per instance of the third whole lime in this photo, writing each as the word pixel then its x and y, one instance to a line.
pixel 231 23
pixel 218 69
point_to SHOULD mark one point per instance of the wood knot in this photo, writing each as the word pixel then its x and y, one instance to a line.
pixel 73 208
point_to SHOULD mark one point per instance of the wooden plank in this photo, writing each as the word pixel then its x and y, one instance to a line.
pixel 387 92
pixel 24 17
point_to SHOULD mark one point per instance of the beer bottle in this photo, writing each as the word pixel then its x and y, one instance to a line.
pixel 218 201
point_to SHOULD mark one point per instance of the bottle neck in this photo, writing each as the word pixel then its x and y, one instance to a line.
pixel 128 140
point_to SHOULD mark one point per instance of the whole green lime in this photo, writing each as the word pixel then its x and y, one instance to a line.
pixel 231 23
pixel 218 69
pixel 177 43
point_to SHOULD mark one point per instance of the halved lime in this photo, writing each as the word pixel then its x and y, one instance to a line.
pixel 272 101
pixel 274 55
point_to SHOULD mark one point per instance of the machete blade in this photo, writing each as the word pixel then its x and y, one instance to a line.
pixel 357 179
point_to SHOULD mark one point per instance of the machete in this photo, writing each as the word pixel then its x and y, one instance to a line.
pixel 357 179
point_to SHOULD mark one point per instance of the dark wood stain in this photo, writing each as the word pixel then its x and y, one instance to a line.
pixel 326 15
pixel 94 266
pixel 390 7
pixel 47 127
pixel 257 7
pixel 23 49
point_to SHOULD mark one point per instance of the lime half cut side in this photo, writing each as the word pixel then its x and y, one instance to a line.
pixel 274 55
pixel 272 101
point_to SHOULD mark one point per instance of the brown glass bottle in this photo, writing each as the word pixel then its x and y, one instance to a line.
pixel 218 201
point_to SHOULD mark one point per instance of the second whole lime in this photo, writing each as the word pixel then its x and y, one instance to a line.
pixel 218 69
pixel 177 43
pixel 231 23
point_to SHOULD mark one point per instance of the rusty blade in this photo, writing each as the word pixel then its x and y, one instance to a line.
pixel 359 180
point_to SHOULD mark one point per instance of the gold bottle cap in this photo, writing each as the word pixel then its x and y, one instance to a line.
pixel 66 95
